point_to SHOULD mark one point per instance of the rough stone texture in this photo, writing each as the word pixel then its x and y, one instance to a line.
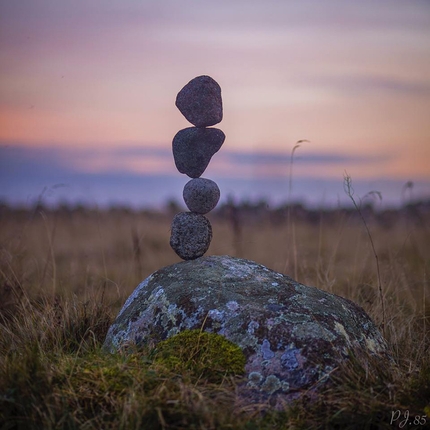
pixel 191 235
pixel 201 195
pixel 194 147
pixel 200 101
pixel 292 335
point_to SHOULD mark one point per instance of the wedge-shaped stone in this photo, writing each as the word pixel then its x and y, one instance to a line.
pixel 194 147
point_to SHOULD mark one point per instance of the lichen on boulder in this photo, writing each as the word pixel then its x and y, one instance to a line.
pixel 293 336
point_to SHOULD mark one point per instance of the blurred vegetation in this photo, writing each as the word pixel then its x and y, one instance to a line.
pixel 65 273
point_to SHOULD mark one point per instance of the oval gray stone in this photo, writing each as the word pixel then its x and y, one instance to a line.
pixel 201 195
pixel 200 101
pixel 194 147
pixel 293 335
pixel 191 235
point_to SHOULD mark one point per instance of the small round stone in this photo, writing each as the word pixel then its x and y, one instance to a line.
pixel 201 195
pixel 191 235
pixel 200 101
pixel 194 147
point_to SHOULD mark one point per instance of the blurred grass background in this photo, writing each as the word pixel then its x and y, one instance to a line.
pixel 78 250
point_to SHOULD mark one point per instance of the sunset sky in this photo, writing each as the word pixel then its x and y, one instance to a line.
pixel 87 92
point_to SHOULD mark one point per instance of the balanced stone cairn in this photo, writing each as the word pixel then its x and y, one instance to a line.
pixel 193 147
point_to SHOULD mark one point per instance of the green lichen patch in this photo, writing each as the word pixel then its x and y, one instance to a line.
pixel 209 355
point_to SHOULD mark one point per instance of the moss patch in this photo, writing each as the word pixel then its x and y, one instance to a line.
pixel 209 355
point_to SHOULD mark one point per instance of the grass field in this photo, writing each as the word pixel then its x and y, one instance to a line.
pixel 65 274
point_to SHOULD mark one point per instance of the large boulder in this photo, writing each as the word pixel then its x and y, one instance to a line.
pixel 292 335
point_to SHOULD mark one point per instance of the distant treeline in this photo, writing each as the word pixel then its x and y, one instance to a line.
pixel 418 211
pixel 245 211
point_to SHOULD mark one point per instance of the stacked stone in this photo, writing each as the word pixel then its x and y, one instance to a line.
pixel 193 147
